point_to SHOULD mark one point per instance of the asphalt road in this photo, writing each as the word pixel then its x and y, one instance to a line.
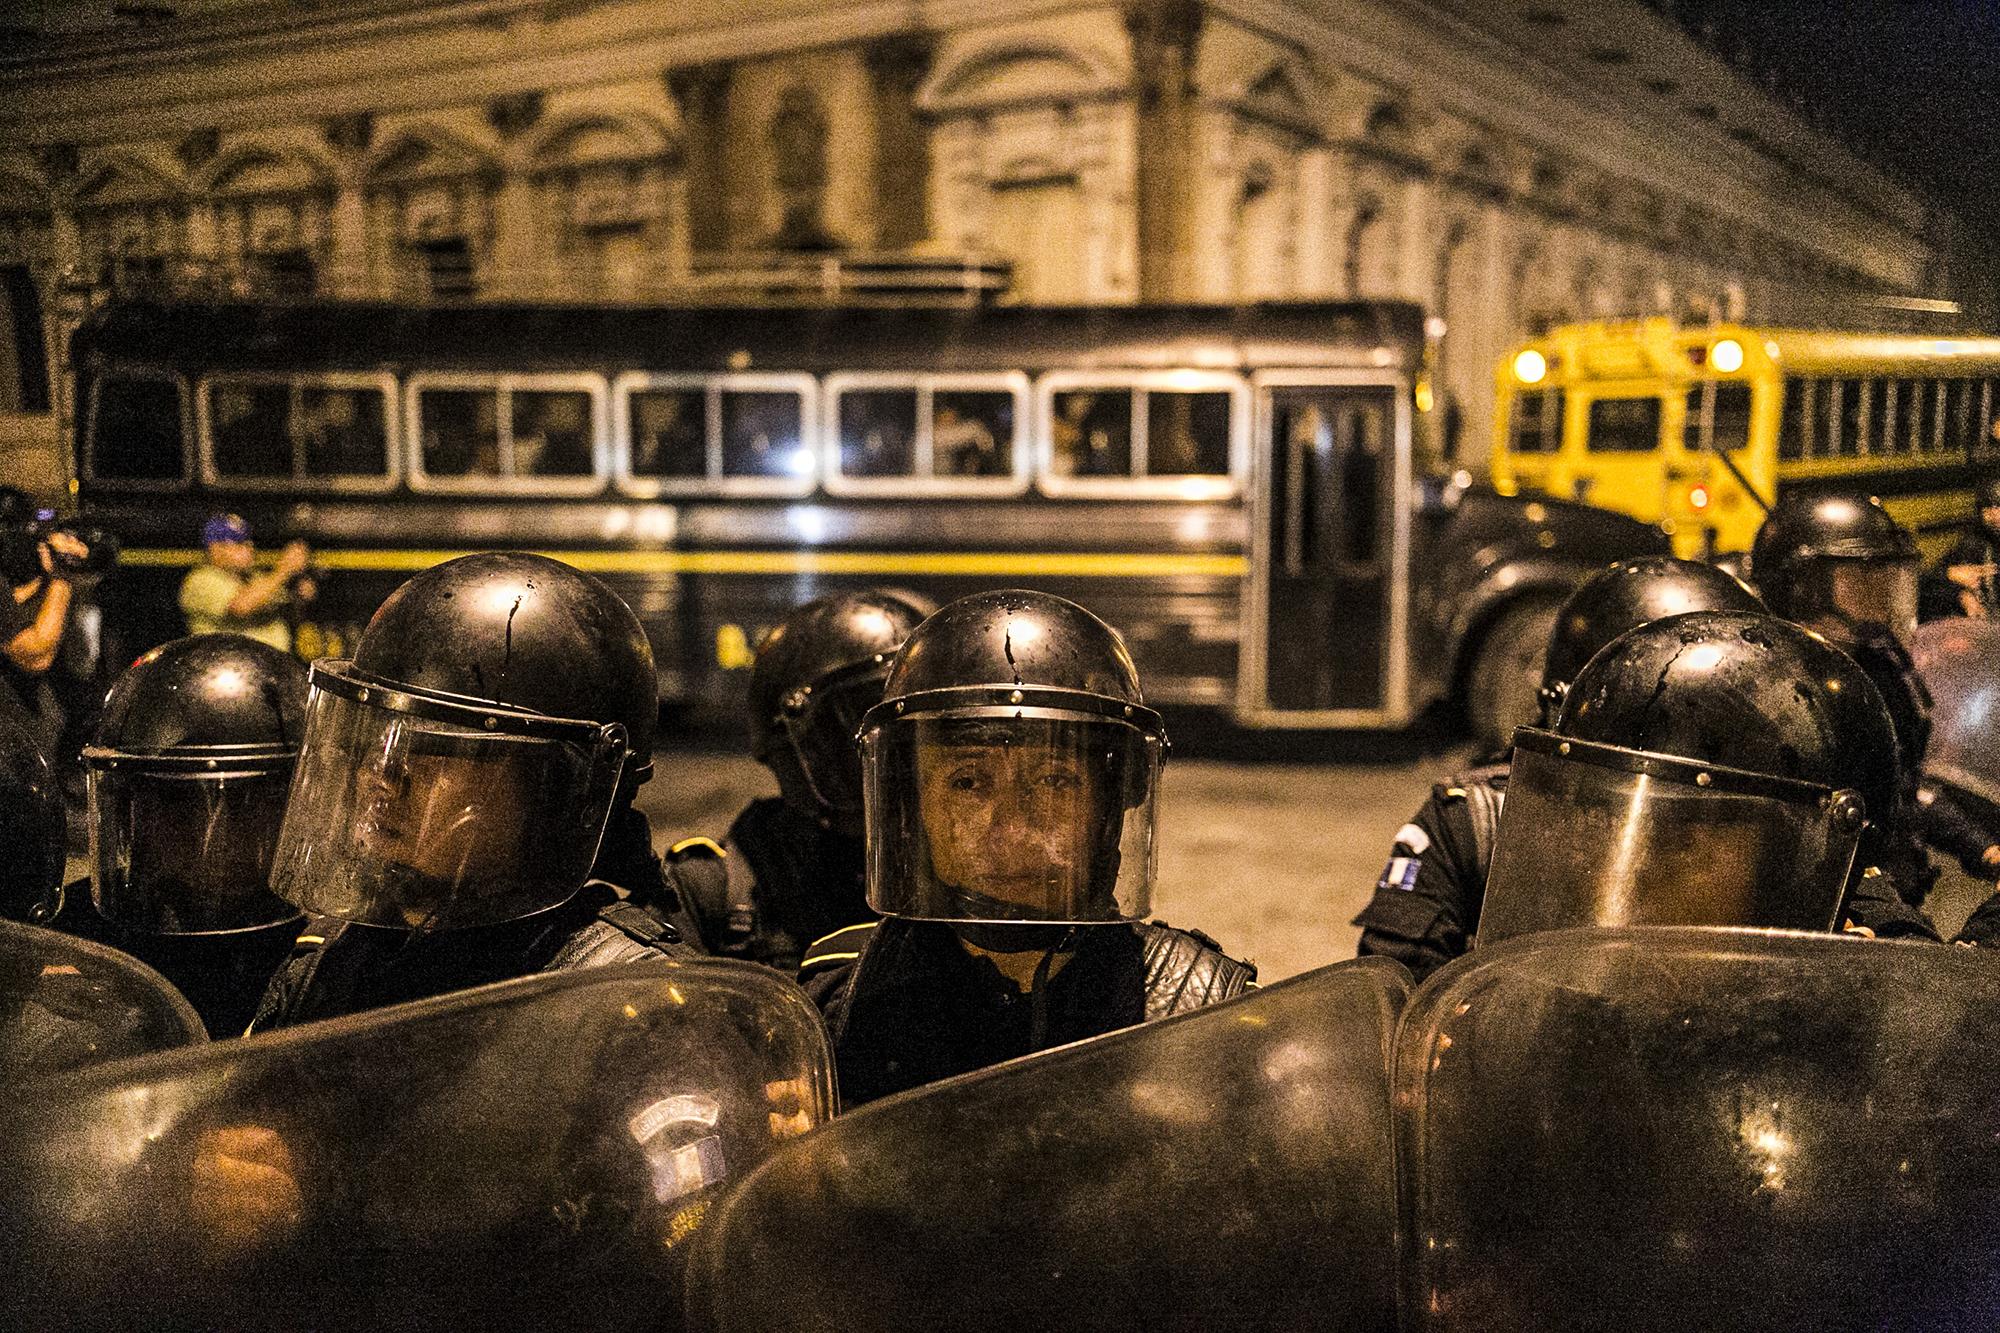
pixel 1272 856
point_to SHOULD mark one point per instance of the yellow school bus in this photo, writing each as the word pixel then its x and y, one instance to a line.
pixel 1699 428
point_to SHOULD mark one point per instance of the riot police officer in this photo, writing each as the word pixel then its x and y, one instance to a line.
pixel 462 809
pixel 32 828
pixel 1426 905
pixel 1842 566
pixel 1972 567
pixel 792 870
pixel 188 770
pixel 1714 768
pixel 1009 779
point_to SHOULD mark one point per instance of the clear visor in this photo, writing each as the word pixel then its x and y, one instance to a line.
pixel 1581 844
pixel 419 824
pixel 822 735
pixel 186 854
pixel 1866 592
pixel 1035 817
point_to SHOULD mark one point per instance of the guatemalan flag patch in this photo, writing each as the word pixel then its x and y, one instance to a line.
pixel 1400 873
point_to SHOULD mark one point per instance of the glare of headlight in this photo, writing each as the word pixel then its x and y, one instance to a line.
pixel 1726 356
pixel 1530 366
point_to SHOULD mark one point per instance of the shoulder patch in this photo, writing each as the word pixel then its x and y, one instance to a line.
pixel 1400 874
pixel 840 946
pixel 700 845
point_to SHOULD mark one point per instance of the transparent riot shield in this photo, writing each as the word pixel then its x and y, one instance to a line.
pixel 533 1154
pixel 1229 1168
pixel 1701 1128
pixel 1959 661
pixel 66 1003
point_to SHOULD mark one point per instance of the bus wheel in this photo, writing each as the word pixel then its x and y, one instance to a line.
pixel 1501 688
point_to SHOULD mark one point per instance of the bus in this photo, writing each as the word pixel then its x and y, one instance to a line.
pixel 1700 429
pixel 1246 492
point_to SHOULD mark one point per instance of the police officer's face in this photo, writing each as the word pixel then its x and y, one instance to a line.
pixel 1012 822
pixel 447 817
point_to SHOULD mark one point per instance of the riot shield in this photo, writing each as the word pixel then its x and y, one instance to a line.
pixel 1959 661
pixel 66 1002
pixel 1700 1128
pixel 1225 1168
pixel 530 1154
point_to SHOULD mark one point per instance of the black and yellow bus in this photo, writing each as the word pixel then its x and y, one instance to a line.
pixel 1244 491
pixel 1699 428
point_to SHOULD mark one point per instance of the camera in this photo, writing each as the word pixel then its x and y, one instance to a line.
pixel 23 530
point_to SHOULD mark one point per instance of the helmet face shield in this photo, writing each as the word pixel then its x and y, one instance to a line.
pixel 1027 815
pixel 820 723
pixel 440 816
pixel 1865 592
pixel 174 852
pixel 1595 835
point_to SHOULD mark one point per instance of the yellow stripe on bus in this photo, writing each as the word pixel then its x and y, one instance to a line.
pixel 1030 564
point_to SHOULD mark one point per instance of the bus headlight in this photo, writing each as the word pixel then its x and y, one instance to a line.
pixel 1530 366
pixel 1726 356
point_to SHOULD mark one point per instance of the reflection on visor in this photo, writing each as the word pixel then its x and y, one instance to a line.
pixel 1866 592
pixel 1010 819
pixel 402 821
pixel 1584 844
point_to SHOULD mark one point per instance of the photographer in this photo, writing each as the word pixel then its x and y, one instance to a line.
pixel 39 566
pixel 222 596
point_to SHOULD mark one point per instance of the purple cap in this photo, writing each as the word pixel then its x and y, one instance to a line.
pixel 224 528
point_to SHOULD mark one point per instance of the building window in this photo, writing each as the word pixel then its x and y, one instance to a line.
pixel 448 269
pixel 25 386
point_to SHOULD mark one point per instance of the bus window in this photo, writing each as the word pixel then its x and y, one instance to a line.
pixel 762 433
pixel 1187 434
pixel 552 434
pixel 1914 417
pixel 1623 426
pixel 1536 425
pixel 250 429
pixel 1879 439
pixel 878 433
pixel 1732 416
pixel 1090 433
pixel 972 433
pixel 1951 415
pixel 460 431
pixel 1793 420
pixel 1851 441
pixel 1935 394
pixel 342 432
pixel 669 433
pixel 136 430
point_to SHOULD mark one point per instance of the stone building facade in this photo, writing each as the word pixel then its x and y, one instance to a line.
pixel 1505 164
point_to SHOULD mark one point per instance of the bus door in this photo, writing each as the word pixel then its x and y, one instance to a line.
pixel 1624 463
pixel 1325 640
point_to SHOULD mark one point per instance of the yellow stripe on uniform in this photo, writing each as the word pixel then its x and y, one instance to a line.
pixel 1061 564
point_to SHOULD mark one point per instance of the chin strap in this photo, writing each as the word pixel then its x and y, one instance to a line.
pixel 1038 1021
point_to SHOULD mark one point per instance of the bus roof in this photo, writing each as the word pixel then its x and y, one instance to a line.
pixel 1641 348
pixel 201 335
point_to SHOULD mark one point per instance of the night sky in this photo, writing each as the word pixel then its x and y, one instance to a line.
pixel 1913 85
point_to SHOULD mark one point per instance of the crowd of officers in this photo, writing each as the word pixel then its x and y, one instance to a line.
pixel 958 867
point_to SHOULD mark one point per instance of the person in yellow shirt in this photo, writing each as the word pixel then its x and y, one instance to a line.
pixel 222 596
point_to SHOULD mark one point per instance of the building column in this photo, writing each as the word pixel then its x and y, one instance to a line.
pixel 702 93
pixel 1165 38
pixel 897 66
pixel 514 270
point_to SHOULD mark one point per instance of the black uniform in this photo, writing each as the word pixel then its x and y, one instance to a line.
pixel 1426 905
pixel 906 1003
pixel 784 880
pixel 1975 546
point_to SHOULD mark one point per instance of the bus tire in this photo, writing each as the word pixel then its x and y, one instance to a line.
pixel 1503 684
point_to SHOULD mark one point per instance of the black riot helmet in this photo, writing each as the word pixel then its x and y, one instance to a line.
pixel 188 772
pixel 1623 597
pixel 461 769
pixel 1715 768
pixel 1821 558
pixel 816 674
pixel 1009 772
pixel 33 841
